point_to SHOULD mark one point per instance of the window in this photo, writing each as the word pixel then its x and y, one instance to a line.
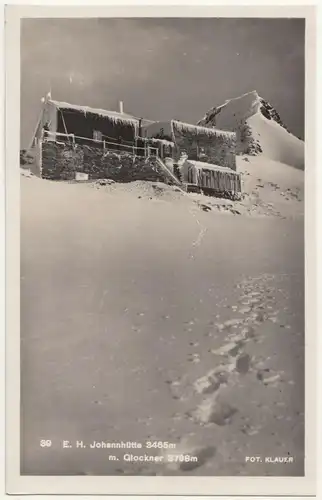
pixel 202 153
pixel 97 135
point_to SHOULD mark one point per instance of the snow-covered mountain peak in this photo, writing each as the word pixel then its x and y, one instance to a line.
pixel 242 107
pixel 259 128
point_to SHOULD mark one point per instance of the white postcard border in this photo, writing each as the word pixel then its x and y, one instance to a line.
pixel 97 485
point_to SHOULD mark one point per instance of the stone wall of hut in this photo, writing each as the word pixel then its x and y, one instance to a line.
pixel 61 161
pixel 217 149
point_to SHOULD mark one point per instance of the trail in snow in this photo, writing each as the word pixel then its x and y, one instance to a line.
pixel 201 234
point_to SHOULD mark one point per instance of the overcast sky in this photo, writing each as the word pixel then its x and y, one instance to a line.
pixel 162 68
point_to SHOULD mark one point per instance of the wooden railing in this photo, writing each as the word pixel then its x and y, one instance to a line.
pixel 106 145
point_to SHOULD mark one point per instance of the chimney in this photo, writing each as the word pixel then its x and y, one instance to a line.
pixel 121 106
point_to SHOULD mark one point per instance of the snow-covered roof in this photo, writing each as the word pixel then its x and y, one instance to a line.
pixel 197 129
pixel 201 165
pixel 114 115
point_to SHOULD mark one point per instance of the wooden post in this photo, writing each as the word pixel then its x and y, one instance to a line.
pixel 36 128
pixel 65 128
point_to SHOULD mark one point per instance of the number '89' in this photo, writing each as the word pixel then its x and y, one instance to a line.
pixel 45 443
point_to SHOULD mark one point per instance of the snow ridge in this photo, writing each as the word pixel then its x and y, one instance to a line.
pixel 259 129
pixel 197 129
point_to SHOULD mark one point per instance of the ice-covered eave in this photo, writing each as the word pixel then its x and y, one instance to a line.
pixel 197 129
pixel 200 165
pixel 111 115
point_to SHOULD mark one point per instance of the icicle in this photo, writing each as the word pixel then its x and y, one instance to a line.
pixel 197 129
pixel 113 115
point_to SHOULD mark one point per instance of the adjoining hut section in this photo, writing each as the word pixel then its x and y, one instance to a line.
pixel 211 179
pixel 209 145
pixel 203 158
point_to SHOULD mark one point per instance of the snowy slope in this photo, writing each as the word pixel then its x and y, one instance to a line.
pixel 276 143
pixel 271 187
pixel 259 129
pixel 144 299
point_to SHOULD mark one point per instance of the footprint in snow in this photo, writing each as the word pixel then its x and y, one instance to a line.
pixel 212 412
pixel 248 332
pixel 250 430
pixel 245 310
pixel 194 358
pixel 176 389
pixel 235 350
pixel 267 376
pixel 211 382
pixel 243 363
pixel 224 350
pixel 230 323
